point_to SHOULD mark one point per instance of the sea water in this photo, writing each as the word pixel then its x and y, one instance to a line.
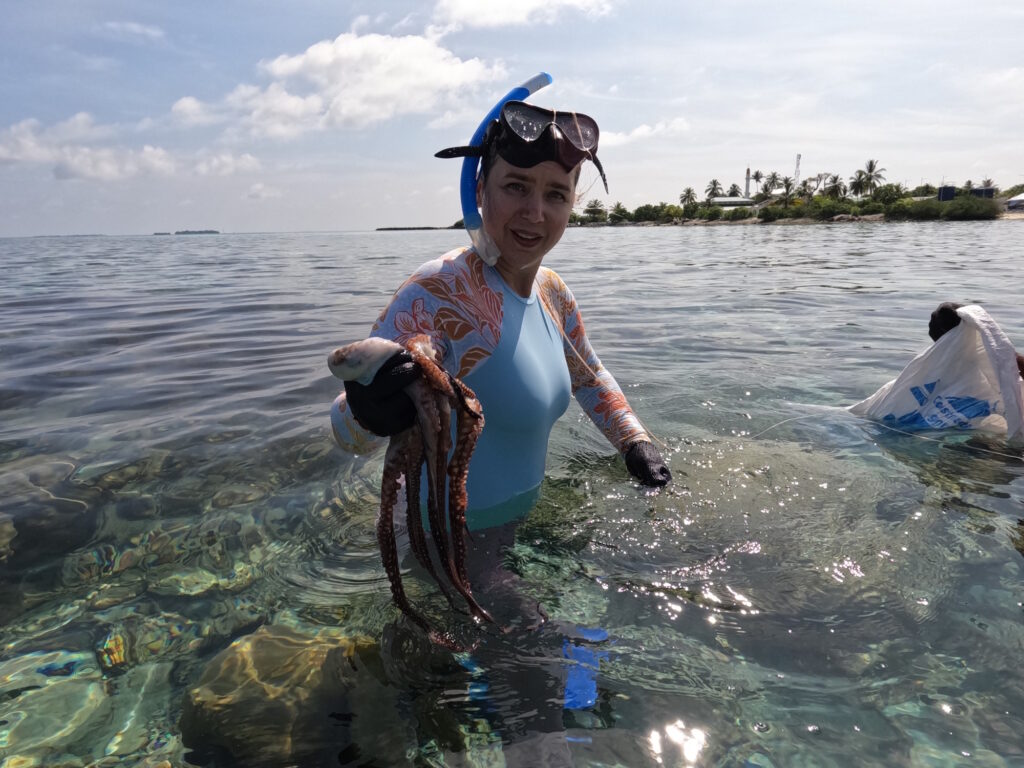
pixel 189 571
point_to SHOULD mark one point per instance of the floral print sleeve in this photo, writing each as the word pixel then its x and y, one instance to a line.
pixel 453 300
pixel 594 387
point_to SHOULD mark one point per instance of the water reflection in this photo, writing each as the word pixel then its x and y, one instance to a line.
pixel 676 746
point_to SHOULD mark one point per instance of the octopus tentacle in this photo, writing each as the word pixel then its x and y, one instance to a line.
pixel 469 425
pixel 428 442
pixel 451 545
pixel 386 531
pixel 414 522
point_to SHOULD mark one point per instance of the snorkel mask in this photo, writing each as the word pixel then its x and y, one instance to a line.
pixel 524 136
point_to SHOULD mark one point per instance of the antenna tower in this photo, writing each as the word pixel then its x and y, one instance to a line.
pixel 796 173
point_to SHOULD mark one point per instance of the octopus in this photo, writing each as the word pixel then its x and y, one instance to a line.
pixel 428 441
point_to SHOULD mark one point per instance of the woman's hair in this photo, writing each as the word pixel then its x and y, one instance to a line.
pixel 943 319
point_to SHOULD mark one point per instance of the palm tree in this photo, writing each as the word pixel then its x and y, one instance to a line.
pixel 805 190
pixel 618 213
pixel 858 183
pixel 835 187
pixel 757 176
pixel 714 189
pixel 771 181
pixel 987 183
pixel 689 197
pixel 787 191
pixel 735 191
pixel 873 175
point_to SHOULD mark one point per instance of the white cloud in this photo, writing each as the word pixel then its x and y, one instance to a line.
pixel 129 30
pixel 501 13
pixel 260 191
pixel 227 164
pixel 275 112
pixel 642 132
pixel 358 23
pixel 104 164
pixel 61 146
pixel 66 146
pixel 355 81
pixel 21 143
pixel 191 111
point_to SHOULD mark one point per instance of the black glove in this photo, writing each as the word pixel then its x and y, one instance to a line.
pixel 381 406
pixel 645 464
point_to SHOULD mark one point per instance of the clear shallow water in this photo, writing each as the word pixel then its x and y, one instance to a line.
pixel 810 588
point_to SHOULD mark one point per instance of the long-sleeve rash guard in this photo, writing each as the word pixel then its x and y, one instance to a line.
pixel 521 356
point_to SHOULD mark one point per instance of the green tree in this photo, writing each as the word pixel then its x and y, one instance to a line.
pixel 714 189
pixel 619 213
pixel 595 212
pixel 735 191
pixel 859 184
pixel 646 212
pixel 787 191
pixel 669 212
pixel 873 175
pixel 757 176
pixel 835 187
pixel 806 189
pixel 887 194
pixel 771 181
pixel 688 197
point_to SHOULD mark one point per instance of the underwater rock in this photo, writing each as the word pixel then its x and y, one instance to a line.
pixel 133 638
pixel 7 534
pixel 48 702
pixel 137 507
pixel 279 697
pixel 49 513
pixel 236 494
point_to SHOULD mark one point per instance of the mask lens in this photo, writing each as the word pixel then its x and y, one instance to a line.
pixel 527 122
pixel 578 129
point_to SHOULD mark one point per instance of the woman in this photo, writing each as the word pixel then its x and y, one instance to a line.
pixel 512 331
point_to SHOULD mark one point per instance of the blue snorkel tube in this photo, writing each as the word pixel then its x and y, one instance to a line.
pixel 484 246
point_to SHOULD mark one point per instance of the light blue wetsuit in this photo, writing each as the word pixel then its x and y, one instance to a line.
pixel 521 356
pixel 527 377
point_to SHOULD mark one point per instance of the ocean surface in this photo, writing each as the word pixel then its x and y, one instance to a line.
pixel 188 566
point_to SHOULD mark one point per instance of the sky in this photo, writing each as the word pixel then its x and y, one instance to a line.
pixel 136 116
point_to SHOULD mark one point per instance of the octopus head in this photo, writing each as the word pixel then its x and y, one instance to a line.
pixel 360 360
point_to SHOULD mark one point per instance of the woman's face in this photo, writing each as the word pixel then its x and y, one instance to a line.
pixel 525 211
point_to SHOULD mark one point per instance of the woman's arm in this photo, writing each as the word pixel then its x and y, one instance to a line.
pixel 592 384
pixel 447 299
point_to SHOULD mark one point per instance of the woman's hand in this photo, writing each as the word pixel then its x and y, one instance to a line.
pixel 645 464
pixel 382 406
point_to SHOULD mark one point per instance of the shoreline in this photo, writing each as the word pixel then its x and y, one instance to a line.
pixel 843 218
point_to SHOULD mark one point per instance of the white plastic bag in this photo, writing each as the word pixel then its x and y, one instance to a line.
pixel 968 379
